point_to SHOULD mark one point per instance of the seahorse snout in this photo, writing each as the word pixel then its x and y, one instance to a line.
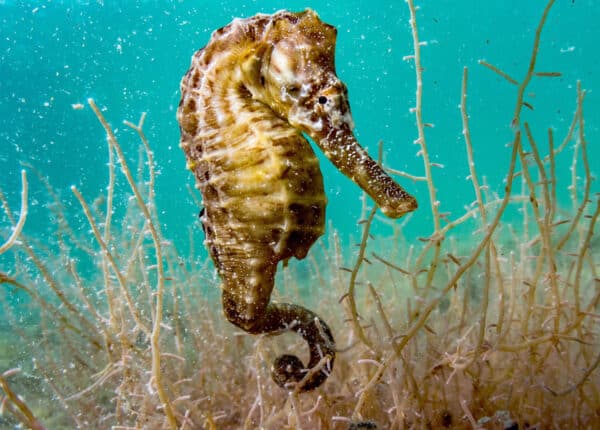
pixel 341 147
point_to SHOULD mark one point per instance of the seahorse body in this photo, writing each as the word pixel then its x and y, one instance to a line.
pixel 246 100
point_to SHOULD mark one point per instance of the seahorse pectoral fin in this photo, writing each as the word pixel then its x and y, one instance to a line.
pixel 251 60
pixel 341 147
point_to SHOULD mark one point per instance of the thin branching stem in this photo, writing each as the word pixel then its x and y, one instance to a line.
pixel 22 216
pixel 156 327
pixel 427 164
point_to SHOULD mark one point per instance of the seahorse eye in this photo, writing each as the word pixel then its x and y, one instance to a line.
pixel 322 100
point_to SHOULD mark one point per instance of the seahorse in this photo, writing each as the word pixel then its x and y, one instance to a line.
pixel 248 99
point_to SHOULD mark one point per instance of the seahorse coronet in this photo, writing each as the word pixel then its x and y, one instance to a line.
pixel 248 99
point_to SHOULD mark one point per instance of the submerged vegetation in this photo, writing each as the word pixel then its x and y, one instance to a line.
pixel 111 328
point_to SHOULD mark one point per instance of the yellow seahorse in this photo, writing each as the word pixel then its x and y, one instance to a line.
pixel 249 96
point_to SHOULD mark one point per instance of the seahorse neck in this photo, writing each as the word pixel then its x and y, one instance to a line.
pixel 229 97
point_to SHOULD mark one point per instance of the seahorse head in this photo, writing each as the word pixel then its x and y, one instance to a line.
pixel 294 74
pixel 298 74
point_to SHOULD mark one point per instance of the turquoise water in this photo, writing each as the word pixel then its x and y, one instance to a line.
pixel 130 56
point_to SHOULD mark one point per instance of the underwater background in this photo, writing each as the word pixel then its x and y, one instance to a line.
pixel 129 56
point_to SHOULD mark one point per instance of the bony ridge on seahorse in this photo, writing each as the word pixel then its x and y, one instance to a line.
pixel 247 99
